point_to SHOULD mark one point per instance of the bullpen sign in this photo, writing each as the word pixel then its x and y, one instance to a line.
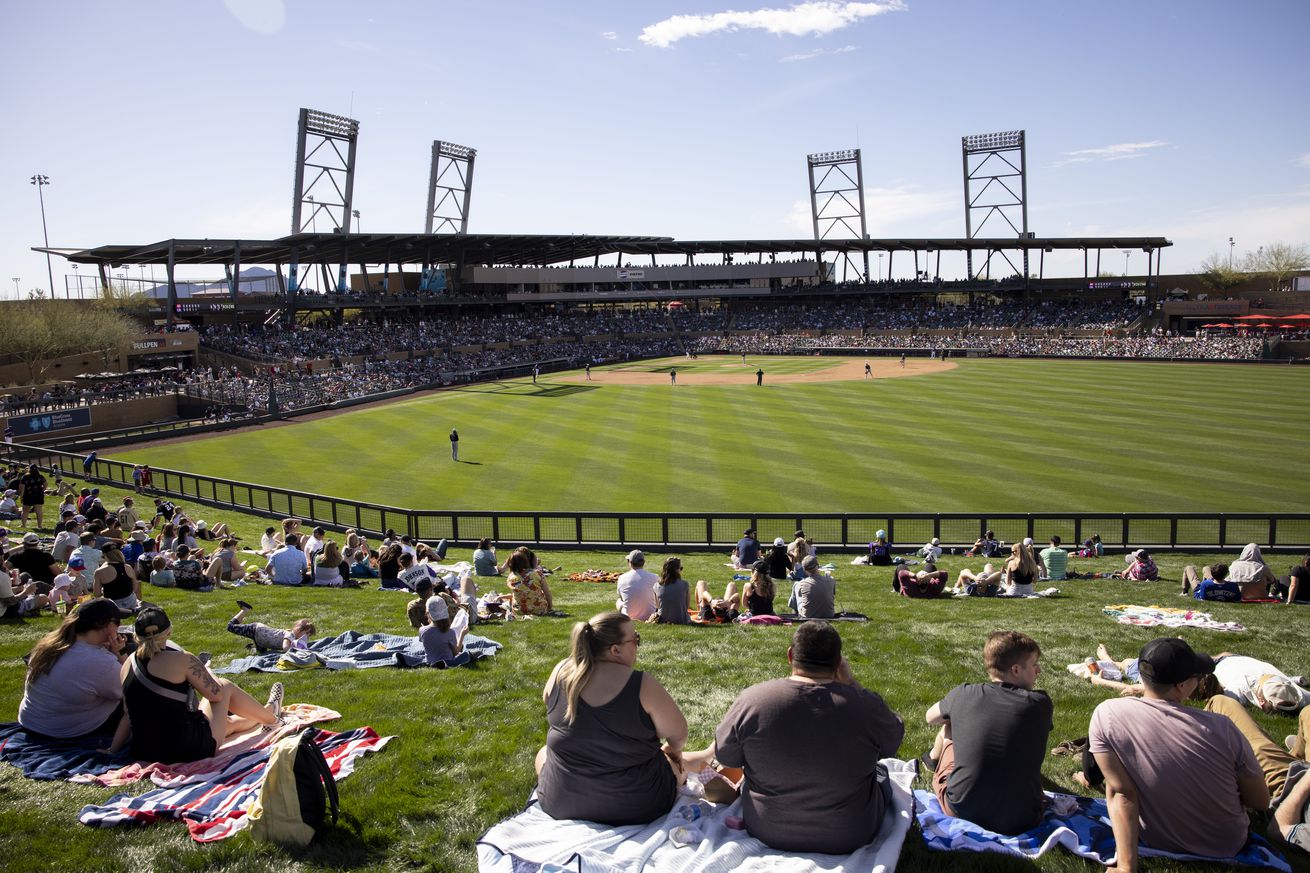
pixel 46 422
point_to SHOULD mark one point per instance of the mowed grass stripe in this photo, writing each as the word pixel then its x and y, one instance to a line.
pixel 987 436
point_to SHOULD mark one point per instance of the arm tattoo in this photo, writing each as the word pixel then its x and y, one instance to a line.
pixel 204 678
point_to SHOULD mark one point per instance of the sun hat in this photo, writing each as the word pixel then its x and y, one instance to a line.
pixel 437 609
pixel 1282 692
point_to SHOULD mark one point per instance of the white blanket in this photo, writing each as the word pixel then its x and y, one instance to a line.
pixel 586 847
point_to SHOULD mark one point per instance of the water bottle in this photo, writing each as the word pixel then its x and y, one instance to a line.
pixel 692 812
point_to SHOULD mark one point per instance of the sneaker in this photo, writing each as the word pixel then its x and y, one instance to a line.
pixel 1299 680
pixel 1290 742
pixel 246 606
pixel 275 699
pixel 926 762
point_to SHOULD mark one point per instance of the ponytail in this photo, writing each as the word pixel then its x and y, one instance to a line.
pixel 586 643
pixel 152 644
pixel 51 647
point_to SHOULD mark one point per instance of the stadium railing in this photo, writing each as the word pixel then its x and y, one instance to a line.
pixel 1195 531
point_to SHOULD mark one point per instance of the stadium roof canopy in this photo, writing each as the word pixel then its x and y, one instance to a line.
pixel 534 249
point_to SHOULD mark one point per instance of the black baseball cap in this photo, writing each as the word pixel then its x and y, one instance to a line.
pixel 1168 661
pixel 151 620
pixel 99 612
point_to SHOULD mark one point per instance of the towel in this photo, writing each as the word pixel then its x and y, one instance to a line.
pixel 295 718
pixel 532 839
pixel 355 651
pixel 214 805
pixel 1154 616
pixel 1085 832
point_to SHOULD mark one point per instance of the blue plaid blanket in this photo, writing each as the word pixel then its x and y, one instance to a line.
pixel 1086 832
pixel 355 651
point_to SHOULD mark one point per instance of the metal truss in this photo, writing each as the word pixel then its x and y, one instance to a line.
pixel 837 201
pixel 450 185
pixel 995 186
pixel 325 178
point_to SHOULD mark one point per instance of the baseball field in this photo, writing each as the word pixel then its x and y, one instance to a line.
pixel 967 435
pixel 971 435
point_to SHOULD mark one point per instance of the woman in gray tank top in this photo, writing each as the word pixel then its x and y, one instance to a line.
pixel 603 760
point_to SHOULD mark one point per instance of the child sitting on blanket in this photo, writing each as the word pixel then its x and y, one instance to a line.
pixel 271 639
pixel 441 642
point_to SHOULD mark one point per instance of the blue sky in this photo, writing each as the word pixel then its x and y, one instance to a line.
pixel 156 118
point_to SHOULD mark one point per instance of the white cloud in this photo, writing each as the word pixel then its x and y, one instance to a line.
pixel 1303 161
pixel 815 53
pixel 819 18
pixel 1117 152
pixel 609 34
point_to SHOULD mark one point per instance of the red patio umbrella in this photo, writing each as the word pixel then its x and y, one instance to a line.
pixel 1224 324
pixel 1300 317
pixel 1250 317
pixel 1209 325
pixel 1288 326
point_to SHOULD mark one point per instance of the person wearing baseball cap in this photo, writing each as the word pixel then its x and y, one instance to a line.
pixel 34 560
pixel 74 686
pixel 636 589
pixel 160 681
pixel 1158 756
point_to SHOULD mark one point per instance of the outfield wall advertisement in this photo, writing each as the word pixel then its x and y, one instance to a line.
pixel 48 422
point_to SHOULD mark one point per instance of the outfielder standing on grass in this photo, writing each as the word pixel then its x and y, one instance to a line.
pixel 673 377
pixel 454 444
pixel 759 376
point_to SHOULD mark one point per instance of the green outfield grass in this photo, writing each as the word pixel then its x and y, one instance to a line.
pixel 988 436
pixel 462 759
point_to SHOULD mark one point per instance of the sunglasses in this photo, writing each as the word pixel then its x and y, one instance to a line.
pixel 636 639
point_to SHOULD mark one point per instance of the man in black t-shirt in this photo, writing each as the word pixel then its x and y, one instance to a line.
pixel 988 755
pixel 34 561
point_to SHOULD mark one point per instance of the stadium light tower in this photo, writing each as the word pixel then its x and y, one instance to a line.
pixel 999 162
pixel 17 280
pixel 837 200
pixel 40 182
pixel 450 187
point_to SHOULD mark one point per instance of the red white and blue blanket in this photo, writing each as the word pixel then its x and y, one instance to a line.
pixel 214 805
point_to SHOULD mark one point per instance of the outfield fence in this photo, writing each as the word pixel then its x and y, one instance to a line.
pixel 1195 531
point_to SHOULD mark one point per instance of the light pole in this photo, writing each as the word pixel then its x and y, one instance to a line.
pixel 1126 254
pixel 355 214
pixel 17 293
pixel 68 295
pixel 40 182
pixel 1230 252
pixel 879 266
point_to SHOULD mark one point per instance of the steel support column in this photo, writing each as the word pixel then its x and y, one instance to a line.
pixel 996 160
pixel 837 200
pixel 450 188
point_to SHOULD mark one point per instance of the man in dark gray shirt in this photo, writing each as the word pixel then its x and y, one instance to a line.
pixel 810 746
pixel 988 755
pixel 815 595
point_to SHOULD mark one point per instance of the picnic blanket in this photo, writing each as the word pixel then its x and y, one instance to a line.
pixel 1153 616
pixel 1085 832
pixel 602 577
pixel 532 839
pixel 355 651
pixel 214 804
pixel 295 718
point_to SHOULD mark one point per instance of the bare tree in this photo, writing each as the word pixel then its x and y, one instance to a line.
pixel 35 332
pixel 1279 261
pixel 1216 273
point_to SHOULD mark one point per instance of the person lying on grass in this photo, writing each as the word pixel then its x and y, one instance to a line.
pixel 603 760
pixel 158 681
pixel 1140 567
pixel 1210 584
pixel 987 757
pixel 271 639
pixel 985 583
pixel 1125 676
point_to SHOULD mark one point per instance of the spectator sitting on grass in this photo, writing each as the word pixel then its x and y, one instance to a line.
pixel 412 572
pixel 1211 583
pixel 1157 756
pixel 1056 561
pixel 532 594
pixel 271 639
pixel 1251 573
pixel 330 570
pixel 441 643
pixel 636 588
pixel 757 595
pixel 1021 571
pixel 270 542
pixel 880 550
pixel 287 566
pixel 1140 568
pixel 160 574
pixel 188 572
pixel 484 559
pixel 815 595
pixel 361 567
pixel 986 546
pixel 987 757
pixel 416 609
pixel 117 580
pixel 931 551
pixel 27 598
pixel 224 566
pixel 671 595
pixel 1295 586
